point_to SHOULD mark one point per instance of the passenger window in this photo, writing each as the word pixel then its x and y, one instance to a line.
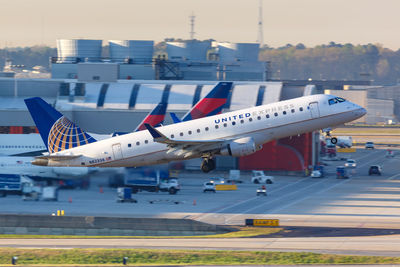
pixel 276 114
pixel 216 126
pixel 137 143
pixel 198 130
pixel 241 121
pixel 267 116
pixel 301 109
pixel 258 118
pixel 225 124
pixel 284 113
pixel 129 145
pixel 146 142
pixel 250 119
pixel 207 128
pixel 181 134
pixel 172 136
pixel 233 123
pixel 189 132
pixel 292 110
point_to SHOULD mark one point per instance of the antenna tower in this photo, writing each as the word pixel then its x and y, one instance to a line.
pixel 192 18
pixel 260 38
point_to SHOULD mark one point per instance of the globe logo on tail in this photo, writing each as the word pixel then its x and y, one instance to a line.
pixel 65 135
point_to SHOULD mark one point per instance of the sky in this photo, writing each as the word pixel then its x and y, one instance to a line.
pixel 311 22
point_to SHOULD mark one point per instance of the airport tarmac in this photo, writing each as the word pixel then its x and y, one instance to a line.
pixel 359 202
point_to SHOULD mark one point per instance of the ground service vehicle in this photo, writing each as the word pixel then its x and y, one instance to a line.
pixel 375 169
pixel 234 176
pixel 350 163
pixel 124 194
pixel 209 187
pixel 316 174
pixel 389 153
pixel 341 172
pixel 13 183
pixel 262 191
pixel 150 179
pixel 258 177
pixel 170 185
pixel 369 145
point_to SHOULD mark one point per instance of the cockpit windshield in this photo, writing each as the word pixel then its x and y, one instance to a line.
pixel 336 100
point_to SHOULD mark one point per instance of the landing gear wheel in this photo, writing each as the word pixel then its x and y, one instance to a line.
pixel 334 140
pixel 207 165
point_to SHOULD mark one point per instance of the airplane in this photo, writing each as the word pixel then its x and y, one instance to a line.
pixel 23 166
pixel 32 144
pixel 237 133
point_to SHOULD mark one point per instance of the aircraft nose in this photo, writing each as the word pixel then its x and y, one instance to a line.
pixel 359 110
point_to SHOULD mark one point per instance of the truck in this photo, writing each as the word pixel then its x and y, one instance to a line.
pixel 151 180
pixel 13 183
pixel 234 176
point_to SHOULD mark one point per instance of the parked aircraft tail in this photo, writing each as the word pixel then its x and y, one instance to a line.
pixel 211 104
pixel 155 117
pixel 58 132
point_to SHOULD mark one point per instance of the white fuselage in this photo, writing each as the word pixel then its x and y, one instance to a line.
pixel 262 123
pixel 23 166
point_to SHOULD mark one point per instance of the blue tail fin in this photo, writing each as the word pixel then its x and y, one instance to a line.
pixel 174 118
pixel 211 104
pixel 58 133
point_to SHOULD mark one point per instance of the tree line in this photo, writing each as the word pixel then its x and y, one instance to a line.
pixel 334 62
pixel 331 61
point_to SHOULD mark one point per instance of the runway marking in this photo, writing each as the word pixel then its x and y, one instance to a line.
pixel 393 176
pixel 301 199
pixel 244 201
pixel 274 200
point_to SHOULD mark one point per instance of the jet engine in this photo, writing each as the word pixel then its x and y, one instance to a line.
pixel 240 147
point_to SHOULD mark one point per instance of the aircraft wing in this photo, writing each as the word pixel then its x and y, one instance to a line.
pixel 185 147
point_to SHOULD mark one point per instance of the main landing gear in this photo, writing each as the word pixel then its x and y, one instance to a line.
pixel 207 165
pixel 328 134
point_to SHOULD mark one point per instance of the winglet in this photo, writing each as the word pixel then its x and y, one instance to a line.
pixel 174 118
pixel 158 137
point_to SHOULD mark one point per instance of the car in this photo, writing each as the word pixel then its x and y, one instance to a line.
pixel 350 163
pixel 375 169
pixel 369 145
pixel 217 180
pixel 258 177
pixel 208 187
pixel 316 174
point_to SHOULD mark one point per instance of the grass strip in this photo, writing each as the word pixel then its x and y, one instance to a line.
pixel 179 257
pixel 241 232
